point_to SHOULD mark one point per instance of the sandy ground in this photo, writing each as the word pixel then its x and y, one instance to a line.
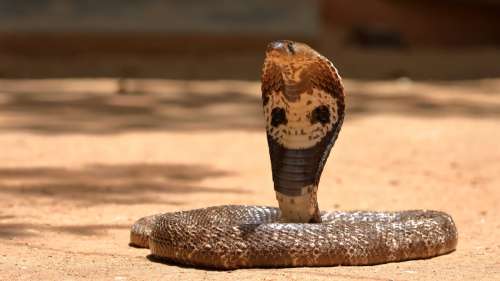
pixel 80 163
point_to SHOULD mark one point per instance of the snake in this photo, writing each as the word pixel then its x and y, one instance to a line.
pixel 304 106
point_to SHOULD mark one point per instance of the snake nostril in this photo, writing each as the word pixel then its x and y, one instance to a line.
pixel 320 114
pixel 278 116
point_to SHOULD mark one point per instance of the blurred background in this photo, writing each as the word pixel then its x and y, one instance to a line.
pixel 223 39
pixel 111 110
pixel 63 61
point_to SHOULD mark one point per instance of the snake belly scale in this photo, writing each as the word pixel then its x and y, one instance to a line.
pixel 303 100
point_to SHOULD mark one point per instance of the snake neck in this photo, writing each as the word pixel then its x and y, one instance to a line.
pixel 303 102
pixel 301 208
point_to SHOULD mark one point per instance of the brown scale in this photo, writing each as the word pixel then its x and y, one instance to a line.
pixel 230 237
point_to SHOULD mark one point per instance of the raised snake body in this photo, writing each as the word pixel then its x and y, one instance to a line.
pixel 303 101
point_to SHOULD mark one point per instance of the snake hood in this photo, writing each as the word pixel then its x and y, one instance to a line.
pixel 303 101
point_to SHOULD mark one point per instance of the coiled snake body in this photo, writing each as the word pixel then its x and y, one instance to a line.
pixel 303 101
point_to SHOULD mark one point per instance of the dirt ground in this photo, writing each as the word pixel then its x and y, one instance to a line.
pixel 79 163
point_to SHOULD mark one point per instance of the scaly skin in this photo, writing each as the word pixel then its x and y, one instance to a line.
pixel 303 101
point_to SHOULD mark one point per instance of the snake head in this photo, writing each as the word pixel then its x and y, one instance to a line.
pixel 303 103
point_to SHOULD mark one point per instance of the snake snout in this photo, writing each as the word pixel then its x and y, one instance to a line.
pixel 284 47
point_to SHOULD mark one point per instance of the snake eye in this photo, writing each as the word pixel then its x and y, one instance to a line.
pixel 320 114
pixel 278 116
pixel 290 47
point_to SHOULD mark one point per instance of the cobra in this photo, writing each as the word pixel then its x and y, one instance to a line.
pixel 303 100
